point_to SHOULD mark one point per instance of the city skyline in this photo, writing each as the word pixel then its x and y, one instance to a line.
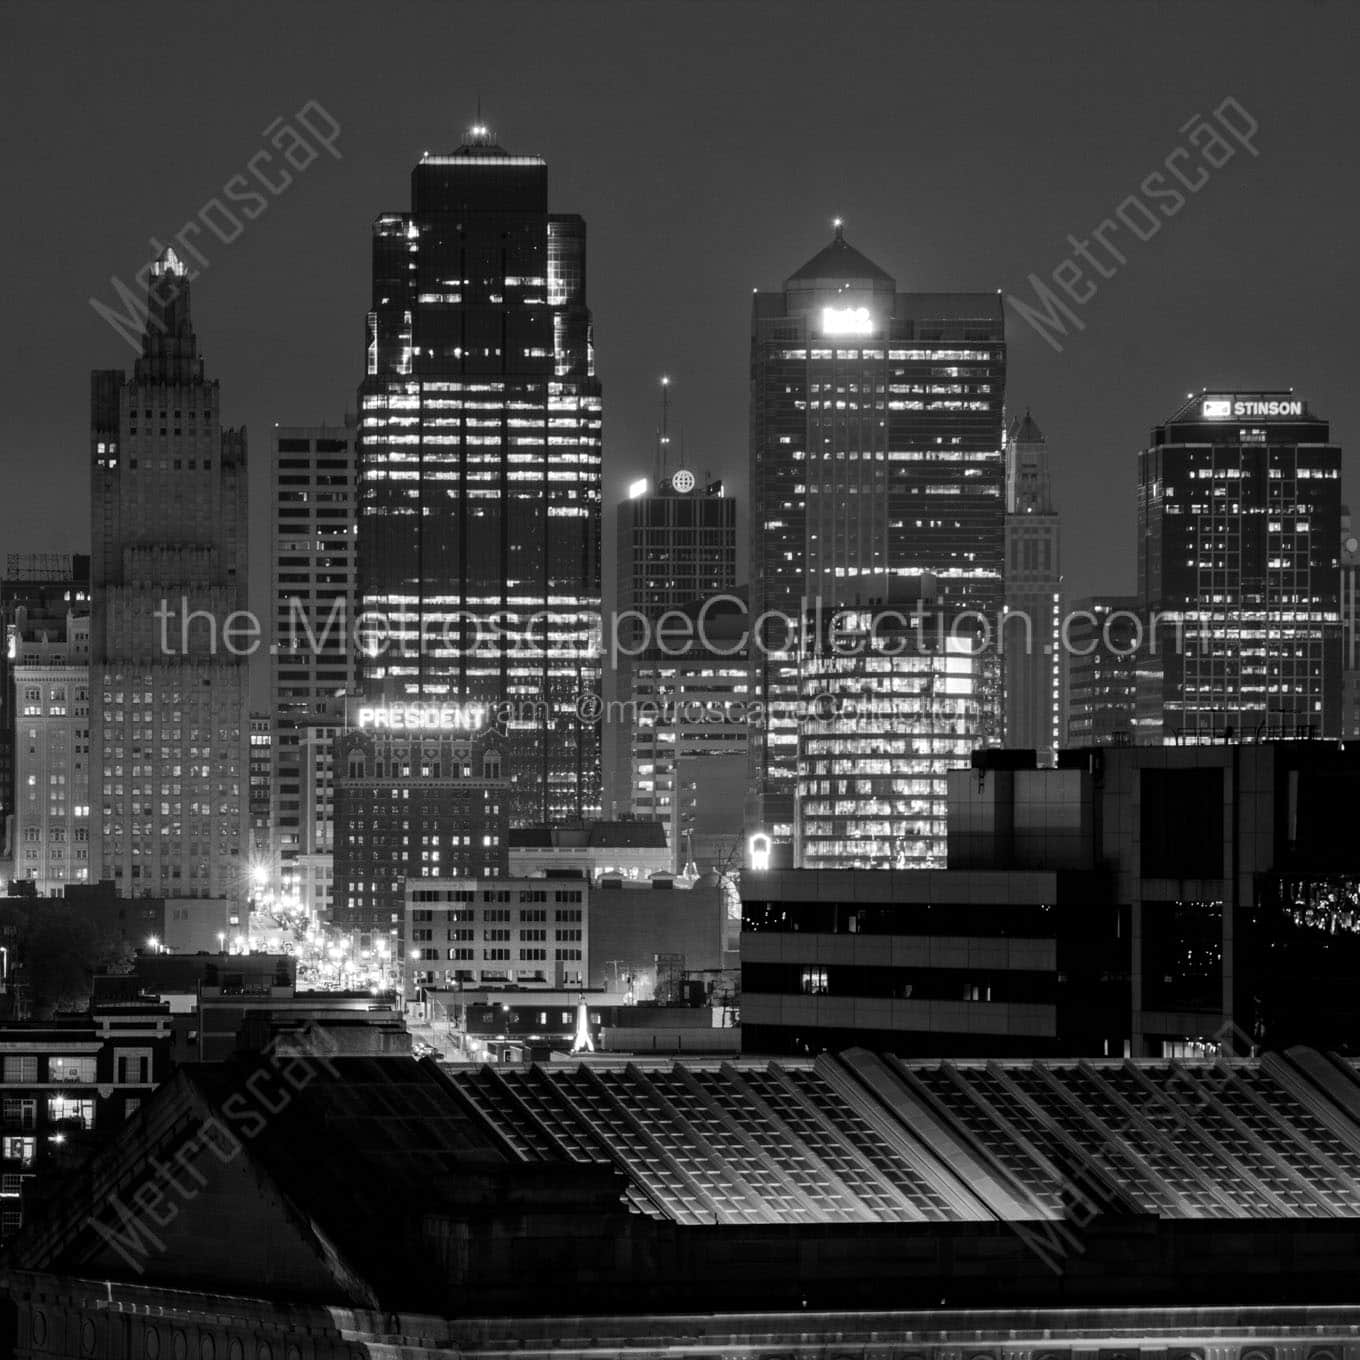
pixel 1192 273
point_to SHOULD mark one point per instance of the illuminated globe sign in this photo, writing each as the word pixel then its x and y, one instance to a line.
pixel 1251 408
pixel 847 321
pixel 422 717
pixel 683 481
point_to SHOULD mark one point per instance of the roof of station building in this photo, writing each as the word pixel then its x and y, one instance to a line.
pixel 861 1137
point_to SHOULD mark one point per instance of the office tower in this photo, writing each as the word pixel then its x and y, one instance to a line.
pixel 890 701
pixel 51 674
pixel 676 544
pixel 1239 517
pixel 420 792
pixel 876 451
pixel 1032 655
pixel 677 553
pixel 1103 646
pixel 479 523
pixel 47 587
pixel 169 637
pixel 315 480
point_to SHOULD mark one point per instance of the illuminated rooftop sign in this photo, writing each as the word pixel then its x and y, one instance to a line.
pixel 1237 408
pixel 423 717
pixel 847 321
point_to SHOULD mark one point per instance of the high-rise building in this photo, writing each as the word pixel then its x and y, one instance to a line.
pixel 315 477
pixel 1032 654
pixel 420 792
pixel 677 544
pixel 677 553
pixel 51 670
pixel 890 702
pixel 169 636
pixel 688 718
pixel 1239 516
pixel 479 523
pixel 1102 645
pixel 47 588
pixel 877 442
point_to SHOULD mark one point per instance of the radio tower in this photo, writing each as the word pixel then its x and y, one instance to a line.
pixel 663 433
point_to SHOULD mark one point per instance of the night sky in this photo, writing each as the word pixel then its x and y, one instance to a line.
pixel 708 146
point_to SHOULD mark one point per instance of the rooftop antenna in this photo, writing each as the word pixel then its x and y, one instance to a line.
pixel 663 434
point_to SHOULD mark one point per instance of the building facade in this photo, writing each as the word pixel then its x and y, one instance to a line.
pixel 169 633
pixel 877 450
pixel 462 932
pixel 1231 869
pixel 38 592
pixel 425 798
pixel 51 676
pixel 1032 654
pixel 1103 646
pixel 315 482
pixel 677 551
pixel 480 444
pixel 1239 517
pixel 886 710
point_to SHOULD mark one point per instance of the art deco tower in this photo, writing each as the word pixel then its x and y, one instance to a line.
pixel 168 686
pixel 1033 655
pixel 479 518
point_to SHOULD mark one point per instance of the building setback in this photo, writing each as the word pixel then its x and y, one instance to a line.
pixel 479 518
pixel 876 451
pixel 169 638
pixel 1239 520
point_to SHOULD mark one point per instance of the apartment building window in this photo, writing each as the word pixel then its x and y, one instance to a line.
pixel 21 1068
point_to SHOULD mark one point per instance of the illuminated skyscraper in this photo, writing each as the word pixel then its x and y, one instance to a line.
pixel 876 452
pixel 168 643
pixel 677 552
pixel 1239 516
pixel 1032 655
pixel 479 519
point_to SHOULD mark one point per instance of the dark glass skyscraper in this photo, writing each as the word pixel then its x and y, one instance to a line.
pixel 876 454
pixel 479 517
pixel 1239 517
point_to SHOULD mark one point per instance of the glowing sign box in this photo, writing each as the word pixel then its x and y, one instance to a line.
pixel 1237 408
pixel 423 717
pixel 847 321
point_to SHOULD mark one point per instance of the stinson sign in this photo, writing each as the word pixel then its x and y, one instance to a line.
pixel 1252 408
